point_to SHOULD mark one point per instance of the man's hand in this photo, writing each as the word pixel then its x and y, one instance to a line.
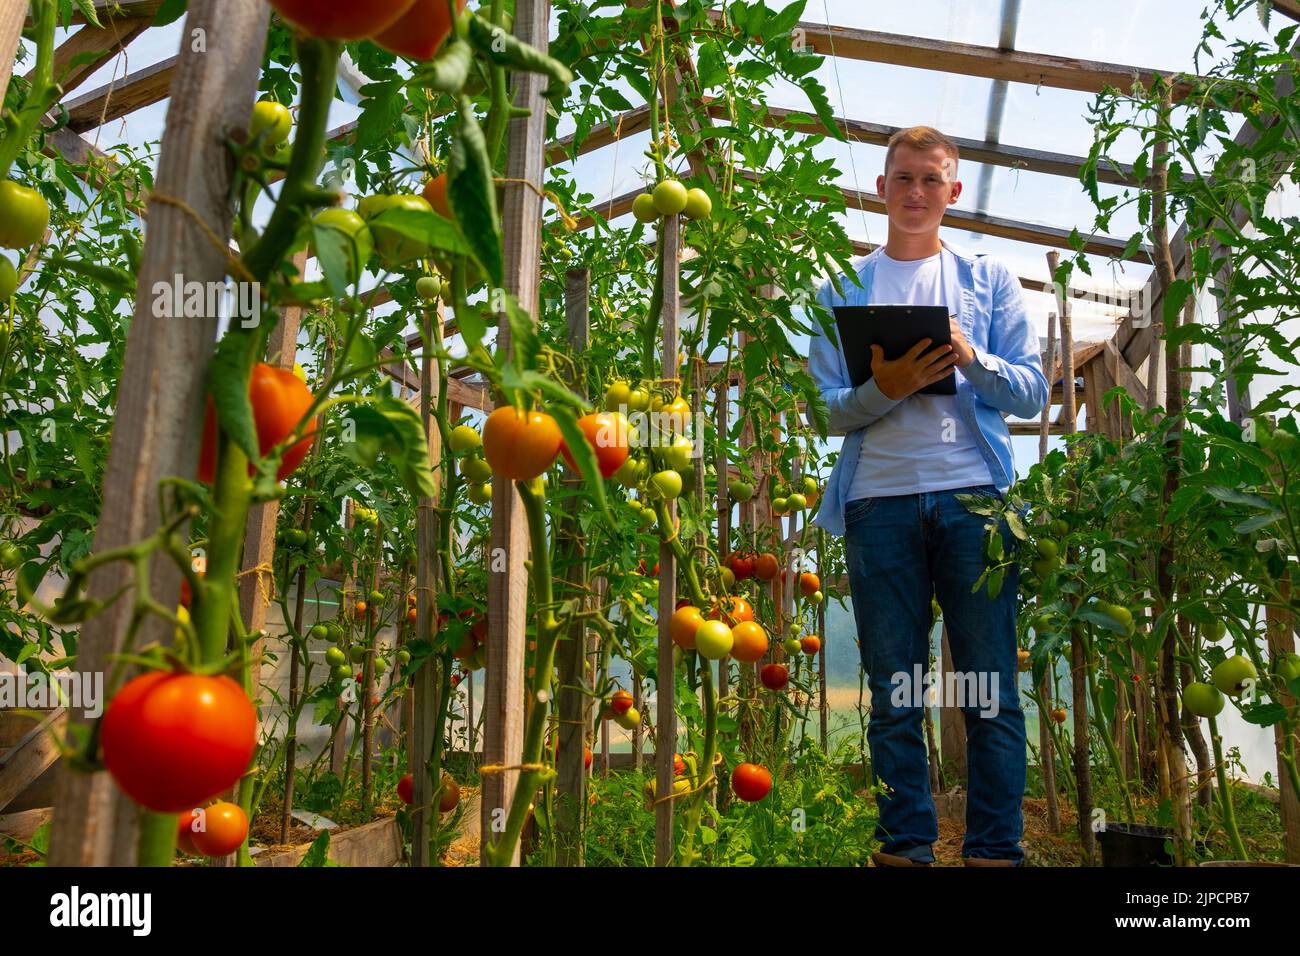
pixel 961 348
pixel 901 377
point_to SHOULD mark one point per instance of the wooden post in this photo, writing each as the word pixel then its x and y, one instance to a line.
pixel 12 15
pixel 1069 409
pixel 156 431
pixel 1049 366
pixel 503 730
pixel 424 692
pixel 665 711
pixel 1281 640
pixel 571 784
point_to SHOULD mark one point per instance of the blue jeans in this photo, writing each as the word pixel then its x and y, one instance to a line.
pixel 899 548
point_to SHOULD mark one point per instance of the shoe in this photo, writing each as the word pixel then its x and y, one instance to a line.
pixel 982 861
pixel 891 859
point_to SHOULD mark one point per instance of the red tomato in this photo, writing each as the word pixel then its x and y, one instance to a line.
pixel 607 435
pixel 810 644
pixel 184 833
pixel 172 741
pixel 420 31
pixel 750 782
pixel 742 566
pixel 279 399
pixel 186 596
pixel 775 676
pixel 406 789
pixel 411 615
pixel 450 794
pixel 809 584
pixel 225 827
pixel 621 702
pixel 342 19
pixel 765 567
pixel 520 445
pixel 679 765
pixel 750 642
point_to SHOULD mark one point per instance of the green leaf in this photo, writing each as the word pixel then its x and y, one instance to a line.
pixel 170 12
pixel 87 8
pixel 390 427
pixel 334 250
pixel 318 855
pixel 471 192
pixel 426 227
pixel 1265 715
pixel 1235 497
pixel 228 385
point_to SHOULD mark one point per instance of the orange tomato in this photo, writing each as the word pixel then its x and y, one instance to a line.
pixel 683 625
pixel 435 190
pixel 520 445
pixel 809 584
pixel 751 782
pixel 737 611
pixel 225 827
pixel 607 435
pixel 751 642
pixel 279 400
pixel 810 644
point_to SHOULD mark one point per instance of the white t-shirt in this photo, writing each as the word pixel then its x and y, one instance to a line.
pixel 922 444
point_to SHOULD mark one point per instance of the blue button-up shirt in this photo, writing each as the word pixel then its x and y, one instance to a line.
pixel 1006 377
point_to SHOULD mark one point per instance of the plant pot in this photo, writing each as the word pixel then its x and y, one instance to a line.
pixel 1134 844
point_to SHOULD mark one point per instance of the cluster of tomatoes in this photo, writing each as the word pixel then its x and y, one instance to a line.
pixel 671 198
pixel 447 801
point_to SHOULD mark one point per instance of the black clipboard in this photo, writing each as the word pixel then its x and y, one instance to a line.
pixel 895 328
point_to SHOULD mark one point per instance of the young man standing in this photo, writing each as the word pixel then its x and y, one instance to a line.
pixel 892 495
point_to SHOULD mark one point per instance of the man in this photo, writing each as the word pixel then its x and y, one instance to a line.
pixel 892 495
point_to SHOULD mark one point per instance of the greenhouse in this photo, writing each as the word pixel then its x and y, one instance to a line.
pixel 559 434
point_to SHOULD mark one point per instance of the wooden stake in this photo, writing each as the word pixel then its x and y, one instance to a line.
pixel 156 431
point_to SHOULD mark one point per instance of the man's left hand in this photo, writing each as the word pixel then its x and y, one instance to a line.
pixel 961 349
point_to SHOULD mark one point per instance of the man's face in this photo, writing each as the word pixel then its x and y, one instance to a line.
pixel 920 186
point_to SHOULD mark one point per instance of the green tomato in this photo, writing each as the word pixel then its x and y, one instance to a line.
pixel 403 657
pixel 643 208
pixel 628 719
pixel 273 119
pixel 670 197
pixel 377 598
pixel 638 400
pixel 480 493
pixel 809 485
pixel 394 248
pixel 380 665
pixel 11 556
pixel 792 646
pixel 8 281
pixel 1215 631
pixel 1059 527
pixel 24 216
pixel 629 473
pixel 1287 666
pixel 1231 674
pixel 429 288
pixel 357 240
pixel 668 484
pixel 680 454
pixel 779 506
pixel 1203 700
pixel 320 632
pixel 356 653
pixel 698 205
pixel 1047 548
pixel 465 438
pixel 617 395
pixel 342 672
pixel 740 490
pixel 714 640
pixel 335 656
pixel 796 502
pixel 476 469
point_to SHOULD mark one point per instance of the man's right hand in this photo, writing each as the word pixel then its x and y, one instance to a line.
pixel 912 372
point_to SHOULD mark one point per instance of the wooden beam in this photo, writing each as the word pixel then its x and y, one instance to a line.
pixel 1015 66
pixel 122 97
pixel 101 44
pixel 121 10
pixel 11 30
pixel 1288 8
pixel 23 763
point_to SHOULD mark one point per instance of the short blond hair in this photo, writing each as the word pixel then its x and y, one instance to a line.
pixel 922 138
